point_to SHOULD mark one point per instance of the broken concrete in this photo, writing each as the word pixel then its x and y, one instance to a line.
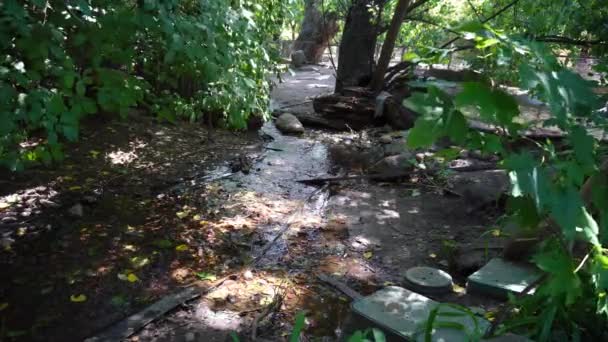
pixel 402 314
pixel 499 278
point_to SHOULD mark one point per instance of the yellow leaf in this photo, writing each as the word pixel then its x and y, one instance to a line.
pixel 196 217
pixel 181 214
pixel 368 255
pixel 388 283
pixel 68 178
pixel 181 248
pixel 94 154
pixel 3 306
pixel 204 223
pixel 75 188
pixel 78 299
pixel 132 278
pixel 342 298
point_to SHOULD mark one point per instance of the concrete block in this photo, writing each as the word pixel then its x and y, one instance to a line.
pixel 499 277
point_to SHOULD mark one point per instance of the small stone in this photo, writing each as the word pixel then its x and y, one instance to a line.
pixel 289 124
pixel 386 139
pixel 47 203
pixel 76 210
pixel 89 199
pixel 298 58
pixel 190 337
pixel 248 275
pixel 394 164
pixel 26 213
pixel 8 219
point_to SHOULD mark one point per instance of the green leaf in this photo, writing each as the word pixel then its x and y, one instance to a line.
pixel 494 105
pixel 378 335
pixel 584 145
pixel 563 282
pixel 298 327
pixel 457 127
pixel 424 133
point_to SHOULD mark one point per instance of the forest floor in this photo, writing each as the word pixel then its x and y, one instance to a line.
pixel 141 210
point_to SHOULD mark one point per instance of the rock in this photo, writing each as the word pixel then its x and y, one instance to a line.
pixel 289 124
pixel 8 219
pixel 395 164
pixel 48 204
pixel 480 188
pixel 248 275
pixel 386 139
pixel 298 58
pixel 471 260
pixel 76 210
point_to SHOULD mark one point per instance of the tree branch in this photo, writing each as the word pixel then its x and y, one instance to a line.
pixel 484 21
pixel 569 41
pixel 427 21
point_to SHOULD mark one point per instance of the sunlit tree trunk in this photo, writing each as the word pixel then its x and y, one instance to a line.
pixel 318 29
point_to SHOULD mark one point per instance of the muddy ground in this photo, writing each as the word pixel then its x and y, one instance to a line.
pixel 140 210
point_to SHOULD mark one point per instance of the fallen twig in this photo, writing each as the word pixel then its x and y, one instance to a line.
pixel 381 176
pixel 350 293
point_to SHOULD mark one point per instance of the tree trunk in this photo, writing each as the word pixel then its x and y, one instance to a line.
pixel 317 31
pixel 356 54
pixel 389 44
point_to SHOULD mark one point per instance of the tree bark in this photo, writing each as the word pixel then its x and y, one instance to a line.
pixel 356 52
pixel 318 29
pixel 389 45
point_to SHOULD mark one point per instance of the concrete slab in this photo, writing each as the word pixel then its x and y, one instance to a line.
pixel 498 278
pixel 402 315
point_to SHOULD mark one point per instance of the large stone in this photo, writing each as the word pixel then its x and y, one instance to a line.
pixel 402 315
pixel 395 164
pixel 289 124
pixel 499 278
pixel 480 188
pixel 298 58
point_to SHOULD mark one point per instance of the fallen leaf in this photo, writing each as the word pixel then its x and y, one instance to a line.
pixel 78 298
pixel 196 217
pixel 181 214
pixel 75 188
pixel 132 278
pixel 3 306
pixel 206 276
pixel 388 283
pixel 94 154
pixel 368 255
pixel 163 243
pixel 139 261
pixel 181 248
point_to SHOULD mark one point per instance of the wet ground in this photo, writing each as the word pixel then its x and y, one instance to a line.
pixel 148 210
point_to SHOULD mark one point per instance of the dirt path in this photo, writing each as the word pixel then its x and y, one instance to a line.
pixel 164 207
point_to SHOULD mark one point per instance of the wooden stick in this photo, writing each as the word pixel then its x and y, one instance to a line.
pixel 349 292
